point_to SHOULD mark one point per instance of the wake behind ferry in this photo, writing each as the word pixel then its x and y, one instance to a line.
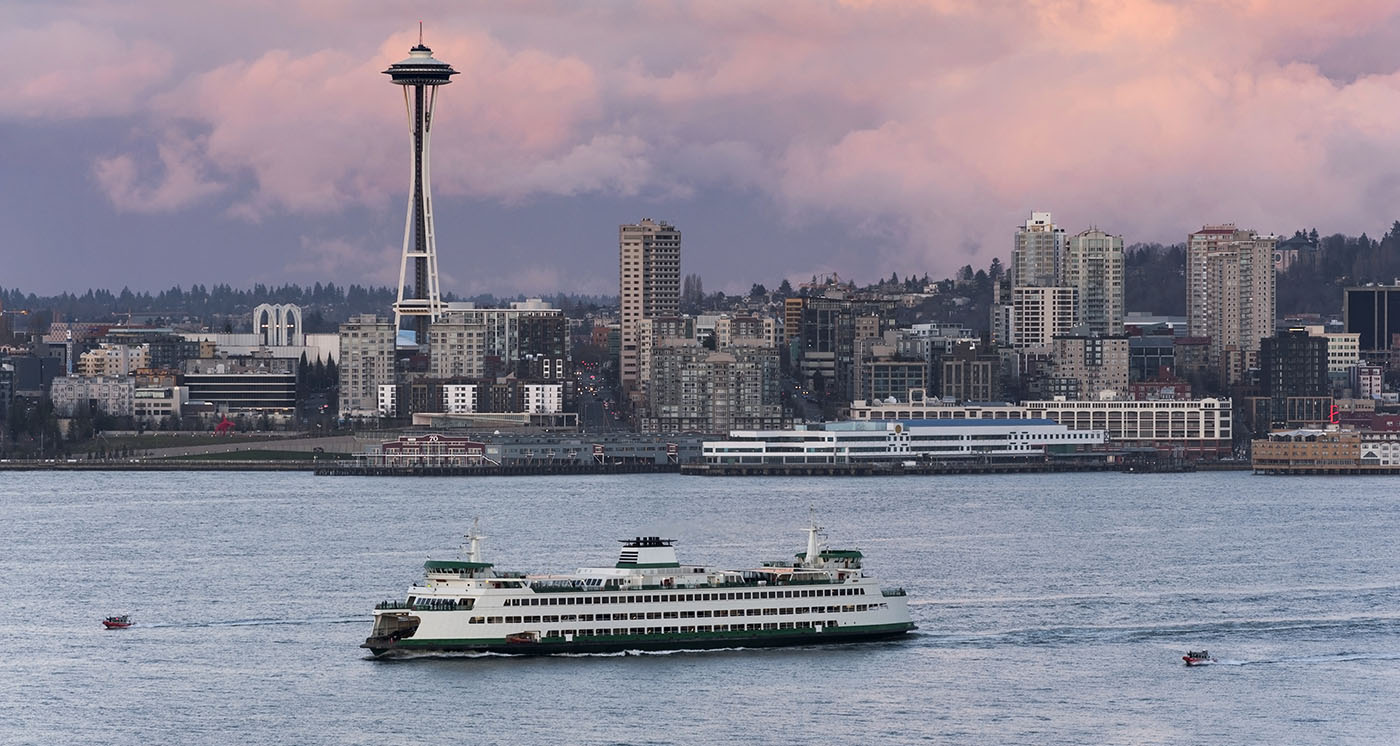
pixel 646 601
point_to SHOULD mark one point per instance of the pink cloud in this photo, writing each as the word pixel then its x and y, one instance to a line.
pixel 927 127
pixel 182 179
pixel 66 69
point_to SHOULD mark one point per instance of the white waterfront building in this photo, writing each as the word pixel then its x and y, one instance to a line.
pixel 1200 428
pixel 843 442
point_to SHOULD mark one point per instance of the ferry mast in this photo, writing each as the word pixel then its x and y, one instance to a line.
pixel 419 75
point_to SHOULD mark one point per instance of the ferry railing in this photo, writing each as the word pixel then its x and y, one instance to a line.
pixel 544 588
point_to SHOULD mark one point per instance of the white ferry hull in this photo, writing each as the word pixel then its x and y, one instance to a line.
pixel 388 647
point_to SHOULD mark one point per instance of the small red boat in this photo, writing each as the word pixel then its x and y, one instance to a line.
pixel 117 622
pixel 1198 658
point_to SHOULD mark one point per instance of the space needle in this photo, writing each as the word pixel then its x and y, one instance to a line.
pixel 420 75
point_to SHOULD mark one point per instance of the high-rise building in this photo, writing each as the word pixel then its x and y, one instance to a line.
pixel 649 279
pixel 1038 253
pixel 1093 266
pixel 694 389
pixel 530 339
pixel 1038 314
pixel 828 328
pixel 419 75
pixel 1089 366
pixel 1293 377
pixel 1374 313
pixel 1230 285
pixel 367 346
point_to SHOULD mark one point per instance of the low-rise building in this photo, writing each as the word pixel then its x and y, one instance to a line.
pixel 252 384
pixel 113 360
pixel 1367 381
pixel 113 396
pixel 1200 428
pixel 152 403
pixel 1327 451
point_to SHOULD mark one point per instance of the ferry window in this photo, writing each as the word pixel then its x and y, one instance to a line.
pixel 770 612
pixel 571 600
pixel 493 620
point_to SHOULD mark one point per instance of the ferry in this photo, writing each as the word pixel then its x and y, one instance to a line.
pixel 648 600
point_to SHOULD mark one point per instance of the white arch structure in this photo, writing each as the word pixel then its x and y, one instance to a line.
pixel 278 325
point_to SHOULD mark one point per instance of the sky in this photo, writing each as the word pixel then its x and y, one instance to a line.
pixel 149 144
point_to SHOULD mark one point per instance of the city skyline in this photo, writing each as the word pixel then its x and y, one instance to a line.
pixel 787 139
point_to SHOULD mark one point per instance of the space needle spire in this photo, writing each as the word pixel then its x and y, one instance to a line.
pixel 419 75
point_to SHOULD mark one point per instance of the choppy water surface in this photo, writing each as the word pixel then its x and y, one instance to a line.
pixel 1053 609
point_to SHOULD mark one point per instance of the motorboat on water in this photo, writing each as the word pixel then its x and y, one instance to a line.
pixel 117 622
pixel 1197 658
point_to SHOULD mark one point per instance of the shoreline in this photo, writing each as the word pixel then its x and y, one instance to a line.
pixel 726 470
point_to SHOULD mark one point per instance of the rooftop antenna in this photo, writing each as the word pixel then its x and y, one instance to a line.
pixel 420 32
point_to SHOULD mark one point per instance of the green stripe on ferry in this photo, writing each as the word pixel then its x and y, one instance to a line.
pixel 661 636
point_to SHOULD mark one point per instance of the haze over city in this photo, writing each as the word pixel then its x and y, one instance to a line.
pixel 153 144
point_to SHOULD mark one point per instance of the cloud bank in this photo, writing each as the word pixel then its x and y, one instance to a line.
pixel 925 128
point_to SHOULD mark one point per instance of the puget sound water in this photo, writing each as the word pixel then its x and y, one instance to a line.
pixel 1053 609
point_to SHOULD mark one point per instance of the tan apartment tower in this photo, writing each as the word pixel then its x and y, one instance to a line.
pixel 1230 285
pixel 1093 265
pixel 649 280
pixel 1039 250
